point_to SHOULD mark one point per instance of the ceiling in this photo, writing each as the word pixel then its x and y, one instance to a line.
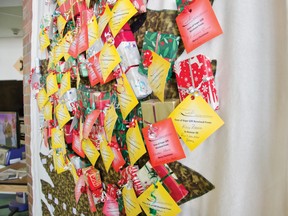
pixel 11 18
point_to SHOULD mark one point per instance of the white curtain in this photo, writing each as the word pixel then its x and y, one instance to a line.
pixel 247 159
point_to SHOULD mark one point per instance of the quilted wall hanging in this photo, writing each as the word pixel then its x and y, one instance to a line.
pixel 118 105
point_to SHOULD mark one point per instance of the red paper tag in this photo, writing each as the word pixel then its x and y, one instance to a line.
pixel 81 42
pixel 118 161
pixel 93 78
pixel 89 121
pixel 197 24
pixel 76 145
pixel 162 143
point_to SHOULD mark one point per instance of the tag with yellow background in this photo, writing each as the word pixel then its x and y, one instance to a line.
pixel 126 96
pixel 195 120
pixel 157 74
pixel 109 59
pixel 122 11
pixel 135 144
pixel 132 207
pixel 157 201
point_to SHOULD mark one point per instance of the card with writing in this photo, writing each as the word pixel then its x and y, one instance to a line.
pixel 135 144
pixel 162 143
pixel 195 121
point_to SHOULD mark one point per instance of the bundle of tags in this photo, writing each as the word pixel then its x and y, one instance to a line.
pixel 104 92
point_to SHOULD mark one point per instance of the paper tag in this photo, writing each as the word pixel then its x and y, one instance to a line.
pixel 65 84
pixel 59 162
pixel 60 2
pixel 106 154
pixel 78 186
pixel 93 31
pixel 197 24
pixel 126 96
pixel 109 121
pixel 77 146
pixel 131 204
pixel 68 38
pixel 118 161
pixel 122 11
pixel 111 207
pixel 135 144
pixel 104 19
pixel 162 143
pixel 58 52
pixel 43 40
pixel 42 98
pixel 89 122
pixel 109 59
pixel 90 151
pixel 157 201
pixel 195 121
pixel 73 172
pixel 47 112
pixel 62 115
pixel 61 22
pixel 157 74
pixel 51 84
pixel 57 138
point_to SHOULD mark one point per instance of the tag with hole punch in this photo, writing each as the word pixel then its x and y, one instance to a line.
pixel 109 121
pixel 157 201
pixel 57 138
pixel 132 207
pixel 65 83
pixel 197 24
pixel 42 98
pixel 162 143
pixel 51 84
pixel 93 31
pixel 126 96
pixel 122 11
pixel 109 58
pixel 104 19
pixel 89 122
pixel 90 151
pixel 62 115
pixel 135 144
pixel 44 40
pixel 157 74
pixel 47 111
pixel 106 153
pixel 195 120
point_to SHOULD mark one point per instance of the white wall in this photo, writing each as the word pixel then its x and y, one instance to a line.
pixel 11 49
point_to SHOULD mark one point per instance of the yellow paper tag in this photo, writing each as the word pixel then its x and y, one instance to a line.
pixel 104 19
pixel 65 84
pixel 109 121
pixel 58 51
pixel 68 38
pixel 132 207
pixel 122 11
pixel 57 138
pixel 59 162
pixel 73 172
pixel 109 58
pixel 61 22
pixel 51 84
pixel 126 96
pixel 195 121
pixel 43 40
pixel 47 112
pixel 157 74
pixel 106 154
pixel 87 3
pixel 93 31
pixel 42 98
pixel 60 2
pixel 62 115
pixel 135 144
pixel 90 151
pixel 157 200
